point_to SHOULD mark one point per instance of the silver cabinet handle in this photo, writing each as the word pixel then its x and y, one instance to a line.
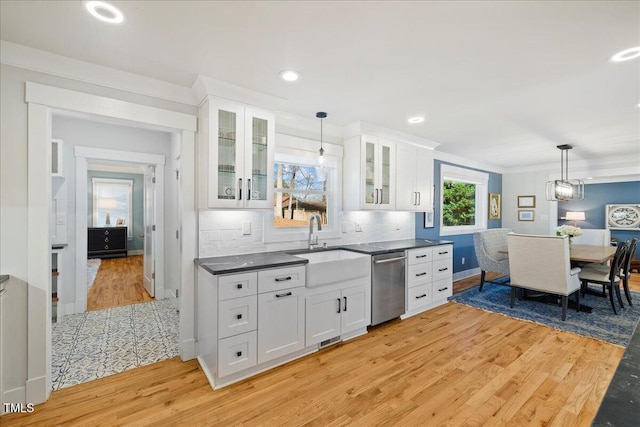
pixel 375 202
pixel 382 261
pixel 380 196
pixel 419 199
pixel 249 189
pixel 239 188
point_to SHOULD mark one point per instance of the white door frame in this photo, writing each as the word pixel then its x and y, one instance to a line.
pixel 42 102
pixel 83 156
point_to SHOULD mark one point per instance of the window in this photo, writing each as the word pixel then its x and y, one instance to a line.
pixel 112 200
pixel 463 200
pixel 300 192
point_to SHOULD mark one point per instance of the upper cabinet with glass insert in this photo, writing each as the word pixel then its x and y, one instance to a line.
pixel 236 145
pixel 369 173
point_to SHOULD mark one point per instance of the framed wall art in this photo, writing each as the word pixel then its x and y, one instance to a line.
pixel 494 206
pixel 428 219
pixel 526 201
pixel 526 215
pixel 623 216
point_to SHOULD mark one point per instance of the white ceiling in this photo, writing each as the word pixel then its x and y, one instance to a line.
pixel 500 82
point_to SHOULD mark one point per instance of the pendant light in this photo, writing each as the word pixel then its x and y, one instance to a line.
pixel 565 189
pixel 321 115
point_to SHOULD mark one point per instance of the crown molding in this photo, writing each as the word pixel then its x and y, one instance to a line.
pixel 61 66
pixel 206 86
pixel 461 161
pixel 364 128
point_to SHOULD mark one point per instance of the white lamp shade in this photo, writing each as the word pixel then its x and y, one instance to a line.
pixel 575 216
pixel 107 203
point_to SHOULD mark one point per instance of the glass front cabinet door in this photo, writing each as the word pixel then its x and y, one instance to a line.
pixel 239 152
pixel 378 157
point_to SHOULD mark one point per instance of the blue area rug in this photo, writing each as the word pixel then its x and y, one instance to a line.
pixel 600 324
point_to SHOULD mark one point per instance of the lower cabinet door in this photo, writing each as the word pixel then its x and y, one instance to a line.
pixel 236 353
pixel 442 289
pixel 237 315
pixel 280 323
pixel 323 317
pixel 356 308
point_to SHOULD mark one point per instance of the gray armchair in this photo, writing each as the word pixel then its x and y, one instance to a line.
pixel 491 251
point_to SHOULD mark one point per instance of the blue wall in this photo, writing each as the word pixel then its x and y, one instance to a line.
pixel 596 196
pixel 462 243
pixel 137 242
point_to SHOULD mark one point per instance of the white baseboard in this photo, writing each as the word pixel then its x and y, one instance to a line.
pixel 17 395
pixel 69 308
pixel 135 252
pixel 36 390
pixel 466 273
pixel 188 350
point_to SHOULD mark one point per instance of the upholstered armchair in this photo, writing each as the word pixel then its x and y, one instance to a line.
pixel 491 252
pixel 542 263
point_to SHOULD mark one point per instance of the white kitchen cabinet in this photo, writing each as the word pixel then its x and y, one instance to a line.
pixel 248 322
pixel 339 312
pixel 369 173
pixel 236 146
pixel 414 178
pixel 281 318
pixel 429 278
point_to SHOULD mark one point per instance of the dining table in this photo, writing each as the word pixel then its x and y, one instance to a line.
pixel 591 253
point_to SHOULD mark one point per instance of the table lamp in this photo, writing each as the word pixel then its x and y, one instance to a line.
pixel 107 204
pixel 575 216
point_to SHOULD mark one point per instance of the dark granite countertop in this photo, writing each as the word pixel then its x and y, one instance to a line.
pixel 248 262
pixel 377 248
pixel 256 261
pixel 4 278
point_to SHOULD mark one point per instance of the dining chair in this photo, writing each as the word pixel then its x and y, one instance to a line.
pixel 608 277
pixel 491 252
pixel 625 272
pixel 543 264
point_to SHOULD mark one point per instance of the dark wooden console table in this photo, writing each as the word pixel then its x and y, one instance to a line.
pixel 107 242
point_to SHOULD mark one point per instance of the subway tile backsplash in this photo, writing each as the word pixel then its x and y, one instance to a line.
pixel 220 232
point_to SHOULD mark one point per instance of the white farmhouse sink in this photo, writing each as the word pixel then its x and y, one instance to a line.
pixel 337 266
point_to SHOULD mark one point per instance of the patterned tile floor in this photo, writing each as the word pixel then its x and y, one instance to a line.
pixel 95 344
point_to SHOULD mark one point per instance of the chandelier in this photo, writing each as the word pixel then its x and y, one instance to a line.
pixel 565 189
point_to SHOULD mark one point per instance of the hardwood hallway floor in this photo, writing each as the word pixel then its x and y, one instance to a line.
pixel 454 365
pixel 118 282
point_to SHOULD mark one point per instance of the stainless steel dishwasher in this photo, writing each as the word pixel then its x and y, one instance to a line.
pixel 388 286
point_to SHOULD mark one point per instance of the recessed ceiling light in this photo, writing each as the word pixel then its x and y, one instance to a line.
pixel 105 12
pixel 626 54
pixel 289 75
pixel 417 119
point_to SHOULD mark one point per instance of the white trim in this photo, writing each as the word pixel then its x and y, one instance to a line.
pixel 42 101
pixel 92 153
pixel 461 161
pixel 56 65
pixel 134 252
pixel 69 100
pixel 481 180
pixel 119 181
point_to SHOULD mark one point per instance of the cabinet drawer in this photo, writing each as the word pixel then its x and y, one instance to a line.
pixel 442 289
pixel 237 316
pixel 237 285
pixel 281 278
pixel 237 353
pixel 418 296
pixel 419 274
pixel 442 269
pixel 416 256
pixel 443 252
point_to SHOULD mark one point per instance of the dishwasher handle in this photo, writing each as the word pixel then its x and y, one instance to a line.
pixel 382 261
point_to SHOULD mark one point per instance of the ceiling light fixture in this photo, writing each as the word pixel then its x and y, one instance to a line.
pixel 289 75
pixel 564 189
pixel 417 119
pixel 626 54
pixel 321 115
pixel 105 12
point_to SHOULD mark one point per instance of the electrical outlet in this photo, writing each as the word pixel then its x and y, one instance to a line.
pixel 462 260
pixel 358 228
pixel 246 228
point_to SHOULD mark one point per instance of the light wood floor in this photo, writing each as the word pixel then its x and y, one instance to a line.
pixel 454 366
pixel 118 282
